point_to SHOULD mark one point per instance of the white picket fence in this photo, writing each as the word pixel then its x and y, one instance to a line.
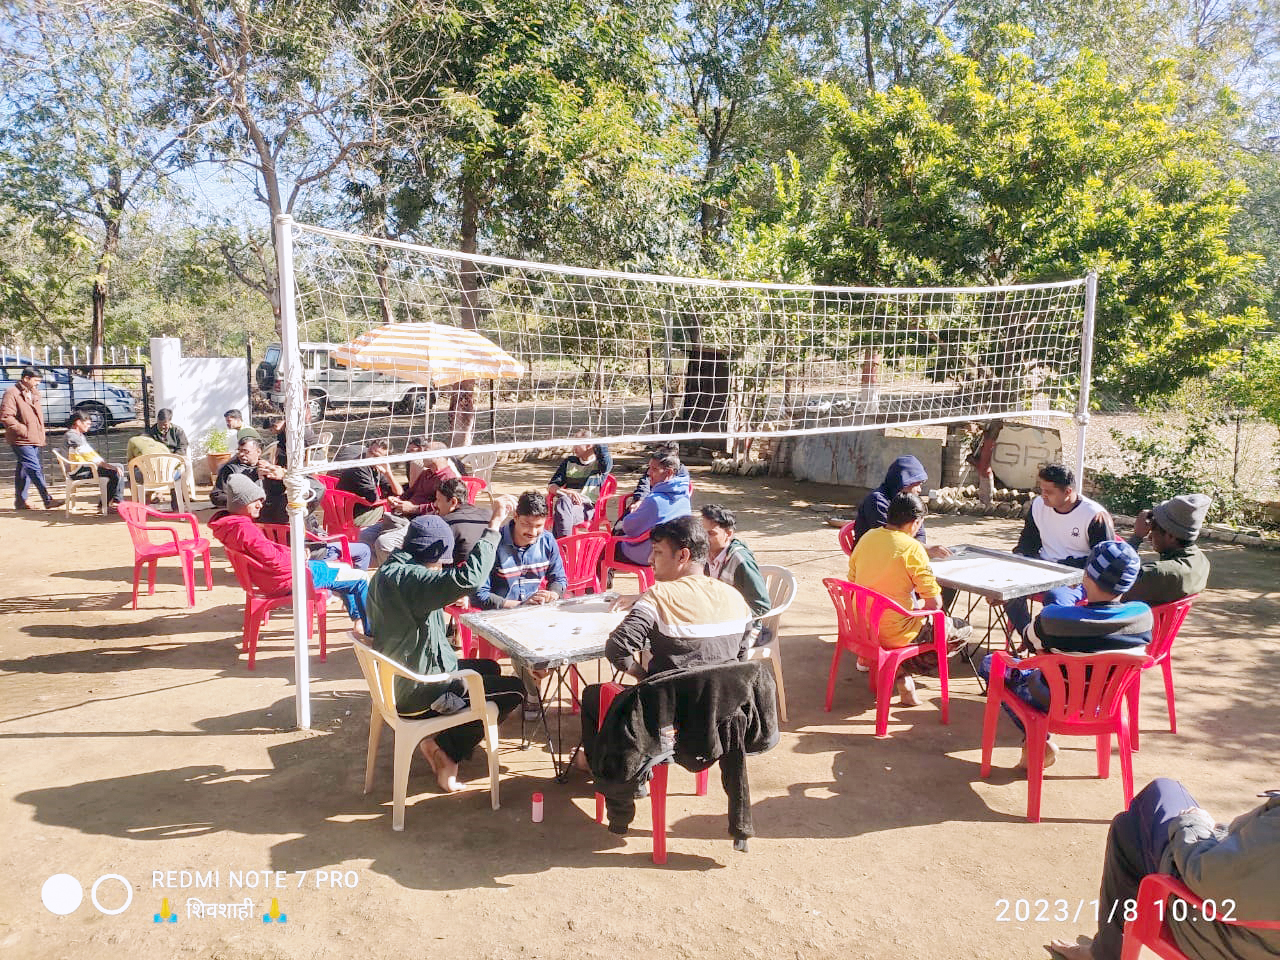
pixel 73 356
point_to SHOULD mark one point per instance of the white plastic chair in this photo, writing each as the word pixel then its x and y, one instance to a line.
pixel 781 584
pixel 96 479
pixel 156 472
pixel 380 673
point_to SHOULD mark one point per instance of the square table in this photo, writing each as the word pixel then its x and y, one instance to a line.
pixel 551 636
pixel 997 577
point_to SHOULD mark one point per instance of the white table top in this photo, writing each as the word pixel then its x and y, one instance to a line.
pixel 999 575
pixel 553 634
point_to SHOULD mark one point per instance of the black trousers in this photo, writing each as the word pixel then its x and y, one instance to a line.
pixel 589 710
pixel 507 692
pixel 1135 844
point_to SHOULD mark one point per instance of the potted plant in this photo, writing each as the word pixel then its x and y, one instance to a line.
pixel 217 450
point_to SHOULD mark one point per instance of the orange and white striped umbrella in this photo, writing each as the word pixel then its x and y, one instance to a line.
pixel 429 354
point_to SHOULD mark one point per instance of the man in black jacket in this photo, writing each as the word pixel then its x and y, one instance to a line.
pixel 370 483
pixel 686 619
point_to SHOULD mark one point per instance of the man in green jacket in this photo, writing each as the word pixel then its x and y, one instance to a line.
pixel 1181 569
pixel 406 602
pixel 731 561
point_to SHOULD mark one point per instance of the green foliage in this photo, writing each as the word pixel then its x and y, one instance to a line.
pixel 1008 178
pixel 217 440
pixel 1157 469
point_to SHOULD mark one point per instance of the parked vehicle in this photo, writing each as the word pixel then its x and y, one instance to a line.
pixel 64 393
pixel 329 383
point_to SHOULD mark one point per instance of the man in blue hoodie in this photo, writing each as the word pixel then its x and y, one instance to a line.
pixel 668 499
pixel 905 475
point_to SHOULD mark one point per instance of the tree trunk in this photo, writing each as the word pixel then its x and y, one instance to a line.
pixel 462 401
pixel 111 215
pixel 981 460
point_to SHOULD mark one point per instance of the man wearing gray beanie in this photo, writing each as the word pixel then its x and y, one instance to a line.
pixel 1182 569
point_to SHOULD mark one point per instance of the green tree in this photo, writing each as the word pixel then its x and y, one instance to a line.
pixel 529 128
pixel 83 144
pixel 1010 179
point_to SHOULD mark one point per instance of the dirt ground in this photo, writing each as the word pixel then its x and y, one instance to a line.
pixel 139 751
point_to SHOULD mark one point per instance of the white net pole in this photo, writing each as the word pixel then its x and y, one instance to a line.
pixel 295 480
pixel 1086 372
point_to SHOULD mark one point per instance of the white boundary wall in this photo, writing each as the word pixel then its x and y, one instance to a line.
pixel 199 390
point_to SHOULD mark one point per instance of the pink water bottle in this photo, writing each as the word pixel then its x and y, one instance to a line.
pixel 537 808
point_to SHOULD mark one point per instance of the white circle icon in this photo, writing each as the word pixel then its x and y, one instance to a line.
pixel 62 893
pixel 128 894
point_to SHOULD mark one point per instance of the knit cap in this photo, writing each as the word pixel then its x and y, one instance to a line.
pixel 1182 516
pixel 1113 566
pixel 241 491
pixel 429 538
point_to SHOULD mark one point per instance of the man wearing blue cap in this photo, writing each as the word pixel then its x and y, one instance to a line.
pixel 1102 625
pixel 407 597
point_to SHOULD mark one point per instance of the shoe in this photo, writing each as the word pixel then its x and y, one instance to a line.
pixel 52 504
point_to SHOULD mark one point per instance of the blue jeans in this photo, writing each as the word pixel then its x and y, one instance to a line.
pixel 1027 685
pixel 28 471
pixel 1018 609
pixel 348 583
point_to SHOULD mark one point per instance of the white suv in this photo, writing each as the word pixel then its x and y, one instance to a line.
pixel 63 393
pixel 329 383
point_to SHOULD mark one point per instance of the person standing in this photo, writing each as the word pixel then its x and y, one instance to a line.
pixel 23 418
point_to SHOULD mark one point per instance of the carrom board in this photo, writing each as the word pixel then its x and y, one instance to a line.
pixel 551 635
pixel 1001 576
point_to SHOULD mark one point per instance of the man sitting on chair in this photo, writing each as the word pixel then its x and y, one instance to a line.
pixel 370 483
pixel 668 499
pixel 892 562
pixel 731 561
pixel 236 529
pixel 686 619
pixel 575 485
pixel 247 462
pixel 79 450
pixel 1165 831
pixel 1061 527
pixel 467 521
pixel 407 598
pixel 904 475
pixel 1182 569
pixel 1104 624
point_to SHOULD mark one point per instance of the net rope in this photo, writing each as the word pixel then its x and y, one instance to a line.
pixel 627 357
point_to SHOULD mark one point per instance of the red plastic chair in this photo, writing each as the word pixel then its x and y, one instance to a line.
pixel 147 551
pixel 279 533
pixel 474 485
pixel 846 537
pixel 257 605
pixel 581 554
pixel 657 785
pixel 1168 621
pixel 327 480
pixel 471 646
pixel 1149 928
pixel 609 509
pixel 859 611
pixel 339 509
pixel 1086 698
pixel 609 563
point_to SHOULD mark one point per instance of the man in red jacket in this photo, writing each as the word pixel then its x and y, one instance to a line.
pixel 236 530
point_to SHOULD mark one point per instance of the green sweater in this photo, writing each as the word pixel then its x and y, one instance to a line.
pixel 406 613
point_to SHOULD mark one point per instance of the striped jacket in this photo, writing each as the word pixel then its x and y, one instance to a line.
pixel 682 623
pixel 518 572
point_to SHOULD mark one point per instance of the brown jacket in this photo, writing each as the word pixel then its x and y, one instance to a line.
pixel 23 417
